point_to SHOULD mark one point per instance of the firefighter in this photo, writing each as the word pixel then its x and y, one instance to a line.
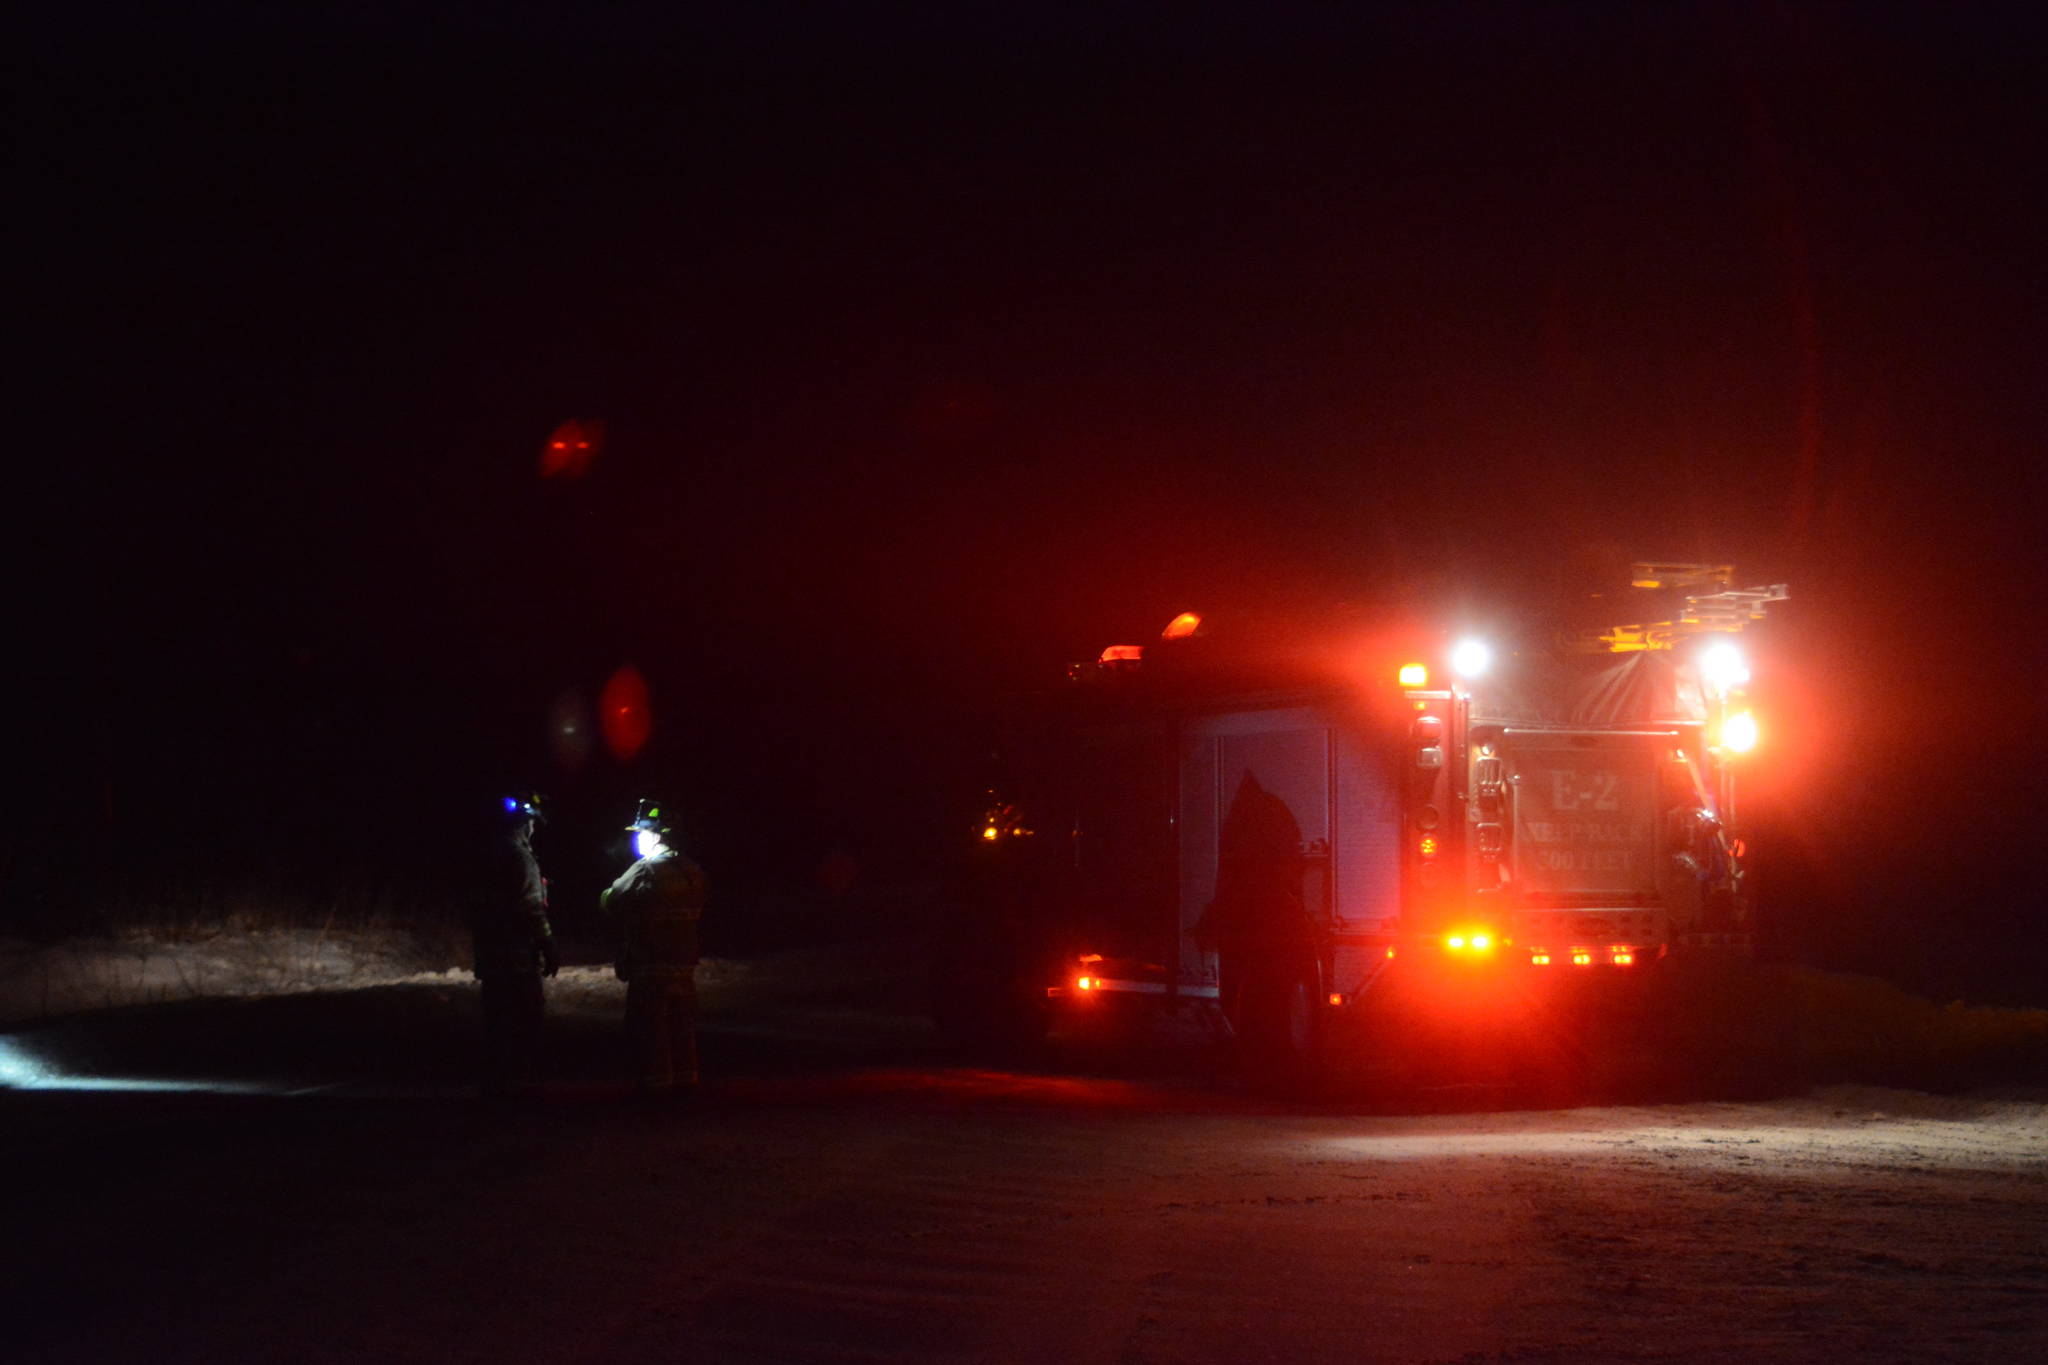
pixel 515 946
pixel 656 904
pixel 1260 928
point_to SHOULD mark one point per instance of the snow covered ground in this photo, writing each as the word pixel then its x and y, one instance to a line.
pixel 308 1176
pixel 40 980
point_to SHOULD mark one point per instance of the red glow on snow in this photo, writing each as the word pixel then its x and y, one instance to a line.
pixel 623 716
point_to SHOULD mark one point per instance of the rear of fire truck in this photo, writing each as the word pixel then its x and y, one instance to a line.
pixel 1571 832
pixel 1576 807
pixel 1295 837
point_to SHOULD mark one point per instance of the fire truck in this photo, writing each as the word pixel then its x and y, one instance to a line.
pixel 1281 823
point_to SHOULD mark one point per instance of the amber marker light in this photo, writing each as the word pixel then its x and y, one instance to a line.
pixel 1181 626
pixel 1582 959
pixel 1540 959
pixel 1623 957
pixel 1414 675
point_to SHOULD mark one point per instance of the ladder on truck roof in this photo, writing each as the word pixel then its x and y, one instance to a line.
pixel 1721 606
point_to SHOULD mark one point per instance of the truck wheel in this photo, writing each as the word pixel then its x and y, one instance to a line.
pixel 1281 1037
pixel 1297 1024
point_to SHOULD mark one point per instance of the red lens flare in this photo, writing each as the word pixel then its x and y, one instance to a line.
pixel 570 732
pixel 571 447
pixel 623 714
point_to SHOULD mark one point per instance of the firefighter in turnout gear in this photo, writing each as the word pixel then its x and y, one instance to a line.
pixel 656 904
pixel 515 946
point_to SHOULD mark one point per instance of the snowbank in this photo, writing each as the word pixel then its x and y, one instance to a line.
pixel 38 981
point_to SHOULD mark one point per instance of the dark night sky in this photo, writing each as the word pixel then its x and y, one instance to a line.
pixel 937 348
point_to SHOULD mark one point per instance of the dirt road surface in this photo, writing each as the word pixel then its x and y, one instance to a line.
pixel 844 1193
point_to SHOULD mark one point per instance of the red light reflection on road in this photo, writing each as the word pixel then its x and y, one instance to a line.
pixel 623 714
pixel 960 1086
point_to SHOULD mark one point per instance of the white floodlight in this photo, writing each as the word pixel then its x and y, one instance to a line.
pixel 1722 667
pixel 1470 658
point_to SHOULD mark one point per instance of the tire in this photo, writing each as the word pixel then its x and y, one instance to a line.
pixel 1280 1037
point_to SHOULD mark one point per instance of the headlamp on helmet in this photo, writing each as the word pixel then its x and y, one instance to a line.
pixel 522 805
pixel 650 830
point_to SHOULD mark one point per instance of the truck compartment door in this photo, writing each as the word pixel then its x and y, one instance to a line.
pixel 1292 792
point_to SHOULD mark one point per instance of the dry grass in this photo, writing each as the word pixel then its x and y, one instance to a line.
pixel 1806 1024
